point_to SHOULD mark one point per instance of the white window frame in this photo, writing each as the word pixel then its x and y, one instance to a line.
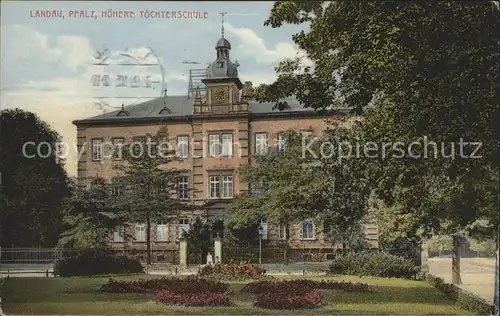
pixel 312 235
pixel 214 187
pixel 97 145
pixel 227 144
pixel 116 189
pixel 258 188
pixel 140 232
pixel 282 232
pixel 183 225
pixel 220 144
pixel 227 187
pixel 220 186
pixel 118 236
pixel 183 146
pixel 161 231
pixel 117 147
pixel 281 143
pixel 260 143
pixel 183 187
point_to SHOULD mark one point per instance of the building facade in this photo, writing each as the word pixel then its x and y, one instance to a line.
pixel 215 133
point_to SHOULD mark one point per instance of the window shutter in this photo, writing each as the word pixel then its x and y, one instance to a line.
pixel 301 230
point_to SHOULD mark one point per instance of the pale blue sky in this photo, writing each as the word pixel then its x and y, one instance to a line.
pixel 46 62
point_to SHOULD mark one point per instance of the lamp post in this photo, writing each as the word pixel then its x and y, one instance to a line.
pixel 260 244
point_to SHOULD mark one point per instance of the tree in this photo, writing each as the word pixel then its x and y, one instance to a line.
pixel 32 184
pixel 89 218
pixel 298 185
pixel 199 238
pixel 430 70
pixel 149 186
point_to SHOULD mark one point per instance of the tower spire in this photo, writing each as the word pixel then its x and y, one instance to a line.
pixel 222 23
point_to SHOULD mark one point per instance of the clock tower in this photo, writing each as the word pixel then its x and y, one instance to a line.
pixel 222 83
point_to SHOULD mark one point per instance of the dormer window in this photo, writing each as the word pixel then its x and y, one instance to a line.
pixel 220 64
pixel 122 113
pixel 165 110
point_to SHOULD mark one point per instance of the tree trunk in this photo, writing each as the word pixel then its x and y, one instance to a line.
pixel 148 239
pixel 455 261
pixel 285 246
pixel 496 295
pixel 424 257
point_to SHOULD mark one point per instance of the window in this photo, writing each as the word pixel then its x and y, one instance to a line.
pixel 258 188
pixel 183 146
pixel 307 230
pixel 227 145
pixel 220 144
pixel 116 189
pixel 183 226
pixel 227 186
pixel 307 134
pixel 282 232
pixel 220 186
pixel 214 187
pixel 96 149
pixel 117 148
pixel 263 228
pixel 281 143
pixel 118 236
pixel 161 231
pixel 260 143
pixel 183 188
pixel 138 146
pixel 140 232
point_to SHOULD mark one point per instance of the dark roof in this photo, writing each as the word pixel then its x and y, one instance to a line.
pixel 180 107
pixel 222 42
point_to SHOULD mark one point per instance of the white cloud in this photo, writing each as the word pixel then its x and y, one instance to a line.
pixel 253 46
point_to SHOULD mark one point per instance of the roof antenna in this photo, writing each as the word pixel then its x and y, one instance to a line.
pixel 222 23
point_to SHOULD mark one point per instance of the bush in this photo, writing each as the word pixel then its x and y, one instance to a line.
pixel 302 286
pixel 374 264
pixel 96 262
pixel 284 300
pixel 197 299
pixel 231 271
pixel 189 285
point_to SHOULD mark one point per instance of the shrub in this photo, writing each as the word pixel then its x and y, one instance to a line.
pixel 96 262
pixel 189 285
pixel 374 264
pixel 197 299
pixel 283 300
pixel 231 271
pixel 301 286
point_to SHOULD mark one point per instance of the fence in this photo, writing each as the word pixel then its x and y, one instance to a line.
pixel 275 255
pixel 33 258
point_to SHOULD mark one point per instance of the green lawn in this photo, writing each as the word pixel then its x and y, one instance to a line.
pixel 80 296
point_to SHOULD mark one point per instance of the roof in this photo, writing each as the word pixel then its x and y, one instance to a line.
pixel 222 42
pixel 181 108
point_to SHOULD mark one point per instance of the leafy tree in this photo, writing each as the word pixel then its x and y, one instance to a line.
pixel 298 186
pixel 238 237
pixel 149 186
pixel 89 219
pixel 32 187
pixel 431 70
pixel 199 239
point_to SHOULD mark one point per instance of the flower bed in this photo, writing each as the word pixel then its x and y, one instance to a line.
pixel 197 299
pixel 293 300
pixel 302 286
pixel 231 271
pixel 178 286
